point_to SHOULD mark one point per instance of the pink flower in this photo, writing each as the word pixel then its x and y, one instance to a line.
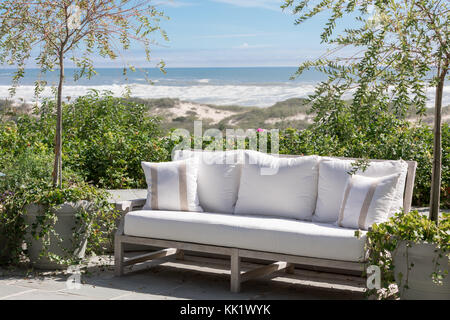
pixel 259 130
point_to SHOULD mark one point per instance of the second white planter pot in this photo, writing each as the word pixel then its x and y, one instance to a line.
pixel 422 259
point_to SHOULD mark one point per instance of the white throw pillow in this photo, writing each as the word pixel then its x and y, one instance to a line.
pixel 218 178
pixel 333 177
pixel 283 187
pixel 367 201
pixel 172 185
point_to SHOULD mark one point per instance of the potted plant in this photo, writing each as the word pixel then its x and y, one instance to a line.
pixel 59 223
pixel 413 253
pixel 54 223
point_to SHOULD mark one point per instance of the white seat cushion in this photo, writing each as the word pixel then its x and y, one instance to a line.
pixel 218 178
pixel 281 187
pixel 333 178
pixel 260 233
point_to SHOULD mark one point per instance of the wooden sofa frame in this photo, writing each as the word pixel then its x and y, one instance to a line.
pixel 282 261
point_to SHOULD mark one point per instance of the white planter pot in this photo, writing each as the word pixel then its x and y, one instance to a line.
pixel 420 284
pixel 65 226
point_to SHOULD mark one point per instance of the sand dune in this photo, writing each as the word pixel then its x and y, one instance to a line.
pixel 200 111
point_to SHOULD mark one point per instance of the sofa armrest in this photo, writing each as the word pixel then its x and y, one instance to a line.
pixel 126 206
pixel 130 205
pixel 137 204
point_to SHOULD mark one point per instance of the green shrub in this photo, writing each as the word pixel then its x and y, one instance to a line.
pixel 408 143
pixel 25 176
pixel 105 139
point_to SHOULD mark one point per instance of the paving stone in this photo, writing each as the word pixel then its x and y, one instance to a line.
pixel 51 285
pixel 46 295
pixel 146 282
pixel 9 290
pixel 142 296
pixel 98 292
pixel 206 286
pixel 282 291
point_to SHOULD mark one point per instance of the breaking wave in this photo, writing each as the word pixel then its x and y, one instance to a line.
pixel 243 95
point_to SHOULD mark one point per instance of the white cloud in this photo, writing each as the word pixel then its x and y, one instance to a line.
pixel 245 45
pixel 235 35
pixel 264 4
pixel 175 3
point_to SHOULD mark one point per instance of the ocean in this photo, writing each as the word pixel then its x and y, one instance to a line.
pixel 256 86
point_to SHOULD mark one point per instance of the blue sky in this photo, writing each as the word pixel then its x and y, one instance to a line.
pixel 231 33
pixel 225 33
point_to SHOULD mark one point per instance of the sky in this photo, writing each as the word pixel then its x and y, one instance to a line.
pixel 225 33
pixel 230 33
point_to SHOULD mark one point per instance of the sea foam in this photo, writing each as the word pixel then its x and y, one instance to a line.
pixel 243 95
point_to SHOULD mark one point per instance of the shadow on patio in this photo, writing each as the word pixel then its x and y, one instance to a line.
pixel 194 278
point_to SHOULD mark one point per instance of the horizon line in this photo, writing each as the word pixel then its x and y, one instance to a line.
pixel 137 68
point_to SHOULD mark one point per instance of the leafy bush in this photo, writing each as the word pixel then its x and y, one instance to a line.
pixel 24 178
pixel 105 138
pixel 407 142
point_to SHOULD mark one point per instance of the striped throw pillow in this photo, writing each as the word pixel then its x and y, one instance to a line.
pixel 172 185
pixel 366 201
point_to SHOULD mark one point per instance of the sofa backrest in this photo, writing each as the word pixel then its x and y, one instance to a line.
pixel 407 194
pixel 410 177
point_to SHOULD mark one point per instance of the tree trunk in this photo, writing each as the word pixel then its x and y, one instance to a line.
pixel 437 150
pixel 57 167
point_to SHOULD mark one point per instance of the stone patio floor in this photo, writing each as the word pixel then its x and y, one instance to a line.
pixel 194 278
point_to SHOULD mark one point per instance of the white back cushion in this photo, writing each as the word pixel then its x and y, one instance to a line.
pixel 367 201
pixel 172 185
pixel 333 177
pixel 282 187
pixel 218 178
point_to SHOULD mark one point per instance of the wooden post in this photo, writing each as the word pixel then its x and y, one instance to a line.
pixel 290 268
pixel 118 257
pixel 179 255
pixel 118 250
pixel 235 271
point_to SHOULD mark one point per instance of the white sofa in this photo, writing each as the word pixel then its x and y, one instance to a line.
pixel 242 232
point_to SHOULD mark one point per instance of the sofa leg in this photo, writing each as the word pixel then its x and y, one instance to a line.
pixel 290 268
pixel 235 271
pixel 118 257
pixel 179 255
